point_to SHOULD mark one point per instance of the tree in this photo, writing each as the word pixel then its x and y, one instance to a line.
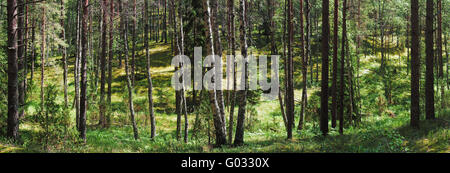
pixel 43 56
pixel 335 65
pixel 104 43
pixel 21 53
pixel 324 83
pixel 231 47
pixel 304 68
pixel 13 92
pixel 110 57
pixel 344 41
pixel 290 72
pixel 64 53
pixel 239 137
pixel 439 51
pixel 83 96
pixel 127 71
pixel 214 95
pixel 133 44
pixel 415 64
pixel 149 77
pixel 429 78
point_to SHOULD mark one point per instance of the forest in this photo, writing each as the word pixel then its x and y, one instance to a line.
pixel 97 76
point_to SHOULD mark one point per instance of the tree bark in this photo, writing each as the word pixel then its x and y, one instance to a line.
pixel 104 46
pixel 127 71
pixel 415 64
pixel 217 111
pixel 231 40
pixel 324 83
pixel 83 96
pixel 429 78
pixel 149 77
pixel 13 92
pixel 110 59
pixel 335 65
pixel 239 137
pixel 304 68
pixel 20 55
pixel 344 41
pixel 64 53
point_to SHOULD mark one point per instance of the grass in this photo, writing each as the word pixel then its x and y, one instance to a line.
pixel 377 132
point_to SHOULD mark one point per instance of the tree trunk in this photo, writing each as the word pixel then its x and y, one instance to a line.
pixel 83 98
pixel 415 64
pixel 13 92
pixel 110 59
pixel 429 78
pixel 344 38
pixel 324 84
pixel 149 77
pixel 290 70
pixel 133 44
pixel 64 53
pixel 439 52
pixel 127 71
pixel 231 40
pixel 104 46
pixel 217 111
pixel 239 137
pixel 304 66
pixel 335 65
pixel 77 66
pixel 20 55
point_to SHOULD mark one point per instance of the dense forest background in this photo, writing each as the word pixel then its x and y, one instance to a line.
pixel 95 76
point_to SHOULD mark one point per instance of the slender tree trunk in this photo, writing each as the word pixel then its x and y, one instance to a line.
pixel 83 98
pixel 304 66
pixel 415 64
pixel 33 50
pixel 149 77
pixel 290 69
pixel 20 55
pixel 133 44
pixel 429 79
pixel 77 66
pixel 335 65
pixel 103 55
pixel 344 38
pixel 239 137
pixel 25 56
pixel 439 52
pixel 64 53
pixel 13 92
pixel 127 71
pixel 43 56
pixel 231 40
pixel 165 22
pixel 111 57
pixel 324 84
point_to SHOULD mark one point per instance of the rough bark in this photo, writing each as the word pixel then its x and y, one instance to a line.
pixel 304 66
pixel 415 64
pixel 104 46
pixel 239 137
pixel 83 96
pixel 335 65
pixel 429 78
pixel 324 82
pixel 13 92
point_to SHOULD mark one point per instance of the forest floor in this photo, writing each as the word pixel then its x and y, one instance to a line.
pixel 384 130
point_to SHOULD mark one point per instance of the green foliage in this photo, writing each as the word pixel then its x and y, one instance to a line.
pixel 54 121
